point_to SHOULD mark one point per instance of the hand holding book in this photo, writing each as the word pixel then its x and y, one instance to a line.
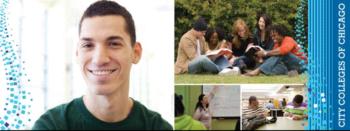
pixel 216 53
pixel 219 52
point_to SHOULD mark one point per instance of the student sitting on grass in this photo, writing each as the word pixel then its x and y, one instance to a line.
pixel 214 38
pixel 192 53
pixel 183 121
pixel 242 38
pixel 297 109
pixel 262 36
pixel 285 58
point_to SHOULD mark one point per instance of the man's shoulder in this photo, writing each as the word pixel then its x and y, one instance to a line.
pixel 155 119
pixel 147 113
pixel 188 36
pixel 55 118
pixel 289 40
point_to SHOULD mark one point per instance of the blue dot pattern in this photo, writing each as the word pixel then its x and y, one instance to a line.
pixel 15 110
pixel 300 32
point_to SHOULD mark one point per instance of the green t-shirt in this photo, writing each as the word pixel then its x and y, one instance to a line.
pixel 74 115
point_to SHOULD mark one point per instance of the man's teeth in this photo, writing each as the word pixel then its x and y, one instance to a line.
pixel 102 72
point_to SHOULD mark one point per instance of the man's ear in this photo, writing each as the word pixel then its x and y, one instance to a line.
pixel 137 53
pixel 76 56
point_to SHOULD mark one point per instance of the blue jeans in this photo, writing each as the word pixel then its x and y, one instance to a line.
pixel 280 65
pixel 202 64
pixel 244 62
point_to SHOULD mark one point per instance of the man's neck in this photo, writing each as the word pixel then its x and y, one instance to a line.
pixel 193 32
pixel 111 108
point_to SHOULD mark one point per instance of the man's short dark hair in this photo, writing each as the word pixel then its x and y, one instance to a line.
pixel 251 99
pixel 200 25
pixel 106 7
pixel 280 29
pixel 298 99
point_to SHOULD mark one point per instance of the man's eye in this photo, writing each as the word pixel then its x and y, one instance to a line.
pixel 115 44
pixel 87 45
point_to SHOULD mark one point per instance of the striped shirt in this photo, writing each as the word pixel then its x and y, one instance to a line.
pixel 248 113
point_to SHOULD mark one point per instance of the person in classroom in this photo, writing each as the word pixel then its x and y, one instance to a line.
pixel 253 115
pixel 284 103
pixel 270 105
pixel 202 112
pixel 297 109
pixel 183 121
pixel 106 50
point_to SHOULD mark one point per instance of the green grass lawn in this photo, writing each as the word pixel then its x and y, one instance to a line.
pixel 208 79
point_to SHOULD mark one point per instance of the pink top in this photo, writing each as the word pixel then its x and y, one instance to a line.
pixel 205 114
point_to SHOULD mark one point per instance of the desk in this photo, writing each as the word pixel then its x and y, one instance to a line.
pixel 284 123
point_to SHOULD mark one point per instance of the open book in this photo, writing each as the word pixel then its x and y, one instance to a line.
pixel 251 50
pixel 219 52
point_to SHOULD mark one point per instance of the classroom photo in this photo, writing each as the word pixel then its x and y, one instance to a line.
pixel 207 107
pixel 274 107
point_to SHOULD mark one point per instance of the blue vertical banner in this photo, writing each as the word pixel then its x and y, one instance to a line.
pixel 329 65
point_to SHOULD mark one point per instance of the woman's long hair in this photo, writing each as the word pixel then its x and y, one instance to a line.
pixel 268 23
pixel 236 39
pixel 199 103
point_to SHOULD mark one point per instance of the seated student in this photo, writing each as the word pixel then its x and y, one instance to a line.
pixel 284 103
pixel 297 109
pixel 270 105
pixel 253 115
pixel 261 39
pixel 262 36
pixel 285 58
pixel 242 39
pixel 214 38
pixel 183 121
pixel 191 53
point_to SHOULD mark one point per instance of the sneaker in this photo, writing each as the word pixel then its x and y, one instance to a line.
pixel 293 73
pixel 229 71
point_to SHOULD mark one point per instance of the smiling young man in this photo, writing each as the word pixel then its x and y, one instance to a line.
pixel 106 51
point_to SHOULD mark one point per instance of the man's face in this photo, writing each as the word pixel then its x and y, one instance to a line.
pixel 200 34
pixel 255 103
pixel 105 54
pixel 295 104
pixel 277 38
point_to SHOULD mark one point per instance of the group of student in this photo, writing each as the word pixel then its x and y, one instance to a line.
pixel 202 117
pixel 275 104
pixel 269 50
pixel 254 115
